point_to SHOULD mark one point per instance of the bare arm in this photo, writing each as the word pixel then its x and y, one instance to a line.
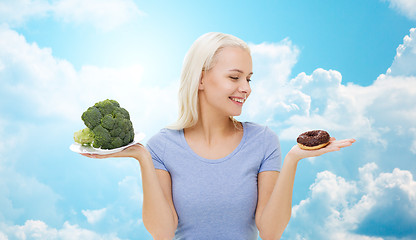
pixel 276 189
pixel 159 215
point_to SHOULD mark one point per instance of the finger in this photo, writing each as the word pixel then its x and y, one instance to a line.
pixel 347 141
pixel 124 153
pixel 342 144
pixel 93 155
pixel 87 155
pixel 330 148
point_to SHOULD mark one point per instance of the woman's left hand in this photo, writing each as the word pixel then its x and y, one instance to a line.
pixel 334 145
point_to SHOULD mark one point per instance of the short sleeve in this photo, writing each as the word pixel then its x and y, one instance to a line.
pixel 156 147
pixel 272 155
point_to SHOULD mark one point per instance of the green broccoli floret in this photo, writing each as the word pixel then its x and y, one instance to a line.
pixel 92 117
pixel 109 124
pixel 84 136
pixel 102 138
pixel 108 121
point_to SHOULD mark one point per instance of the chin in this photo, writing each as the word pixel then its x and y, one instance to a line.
pixel 234 114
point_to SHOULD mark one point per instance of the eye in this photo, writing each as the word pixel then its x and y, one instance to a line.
pixel 234 78
pixel 248 80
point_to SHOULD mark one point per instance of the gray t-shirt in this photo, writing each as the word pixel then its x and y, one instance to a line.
pixel 216 199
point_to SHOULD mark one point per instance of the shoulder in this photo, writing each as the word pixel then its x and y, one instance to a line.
pixel 163 136
pixel 162 140
pixel 262 137
pixel 258 130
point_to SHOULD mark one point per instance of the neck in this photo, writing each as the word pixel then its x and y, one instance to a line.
pixel 211 127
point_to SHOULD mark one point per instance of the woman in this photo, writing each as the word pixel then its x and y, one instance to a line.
pixel 209 176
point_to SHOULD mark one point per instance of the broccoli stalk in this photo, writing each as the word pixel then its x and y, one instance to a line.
pixel 84 136
pixel 110 125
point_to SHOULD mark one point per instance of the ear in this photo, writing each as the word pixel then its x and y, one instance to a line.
pixel 201 81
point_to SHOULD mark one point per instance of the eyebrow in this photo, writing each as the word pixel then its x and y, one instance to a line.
pixel 238 70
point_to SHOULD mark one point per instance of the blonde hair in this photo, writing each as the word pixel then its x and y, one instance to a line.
pixel 200 57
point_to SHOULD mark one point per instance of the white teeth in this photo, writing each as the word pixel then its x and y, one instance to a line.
pixel 238 100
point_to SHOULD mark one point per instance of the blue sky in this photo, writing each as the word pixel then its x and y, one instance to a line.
pixel 345 66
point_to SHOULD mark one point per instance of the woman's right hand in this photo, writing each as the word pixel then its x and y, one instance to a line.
pixel 137 151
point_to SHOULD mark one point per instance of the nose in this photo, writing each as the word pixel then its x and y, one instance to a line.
pixel 245 88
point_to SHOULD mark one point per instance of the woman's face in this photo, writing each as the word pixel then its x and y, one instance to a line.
pixel 226 86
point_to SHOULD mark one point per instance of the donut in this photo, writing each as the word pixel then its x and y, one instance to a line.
pixel 312 140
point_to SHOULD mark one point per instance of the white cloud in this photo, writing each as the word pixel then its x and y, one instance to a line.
pixel 24 197
pixel 129 188
pixel 33 78
pixel 320 100
pixel 355 111
pixel 405 59
pixel 279 57
pixel 20 195
pixel 8 141
pixel 413 146
pixel 32 75
pixel 405 7
pixel 3 236
pixel 18 11
pixel 94 216
pixel 123 214
pixel 37 85
pixel 272 65
pixel 373 207
pixel 35 229
pixel 104 15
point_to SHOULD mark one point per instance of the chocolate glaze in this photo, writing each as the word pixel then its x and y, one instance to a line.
pixel 313 138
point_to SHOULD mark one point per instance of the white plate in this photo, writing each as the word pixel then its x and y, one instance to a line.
pixel 78 148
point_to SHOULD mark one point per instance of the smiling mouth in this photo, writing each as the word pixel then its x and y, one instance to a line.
pixel 239 100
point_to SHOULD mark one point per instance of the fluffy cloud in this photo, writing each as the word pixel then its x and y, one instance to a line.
pixel 279 57
pixel 17 11
pixel 272 64
pixel 22 196
pixel 94 216
pixel 3 236
pixel 405 7
pixel 375 206
pixel 370 112
pixel 321 101
pixel 32 78
pixel 105 15
pixel 122 215
pixel 8 141
pixel 413 146
pixel 36 85
pixel 405 59
pixel 40 230
pixel 130 187
pixel 30 71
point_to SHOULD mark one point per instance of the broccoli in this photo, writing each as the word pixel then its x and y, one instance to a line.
pixel 108 126
pixel 84 136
